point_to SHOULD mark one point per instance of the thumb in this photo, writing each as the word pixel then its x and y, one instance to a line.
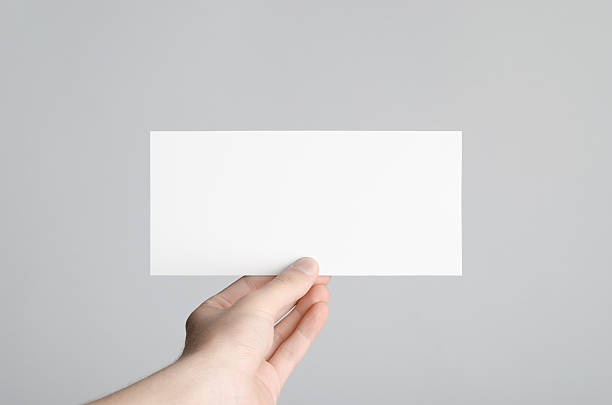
pixel 283 291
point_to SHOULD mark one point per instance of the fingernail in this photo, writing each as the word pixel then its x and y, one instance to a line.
pixel 306 265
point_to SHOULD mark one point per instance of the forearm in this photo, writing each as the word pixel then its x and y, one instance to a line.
pixel 184 382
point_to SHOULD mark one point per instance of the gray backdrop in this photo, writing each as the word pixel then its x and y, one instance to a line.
pixel 528 82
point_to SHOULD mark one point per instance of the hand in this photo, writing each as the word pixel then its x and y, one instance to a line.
pixel 235 352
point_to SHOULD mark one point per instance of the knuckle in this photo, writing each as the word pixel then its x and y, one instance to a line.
pixel 291 278
pixel 218 301
pixel 190 322
pixel 223 300
pixel 250 283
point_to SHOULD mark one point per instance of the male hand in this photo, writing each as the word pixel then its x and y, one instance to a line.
pixel 235 351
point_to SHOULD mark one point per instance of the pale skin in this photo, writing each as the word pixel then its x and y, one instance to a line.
pixel 235 351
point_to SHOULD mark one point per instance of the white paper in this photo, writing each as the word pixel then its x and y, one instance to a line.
pixel 361 203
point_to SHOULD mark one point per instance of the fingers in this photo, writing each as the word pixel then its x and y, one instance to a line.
pixel 273 299
pixel 318 293
pixel 244 285
pixel 238 289
pixel 321 280
pixel 291 351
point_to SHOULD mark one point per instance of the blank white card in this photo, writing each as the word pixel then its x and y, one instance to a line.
pixel 361 203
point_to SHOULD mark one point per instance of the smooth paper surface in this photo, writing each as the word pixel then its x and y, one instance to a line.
pixel 250 202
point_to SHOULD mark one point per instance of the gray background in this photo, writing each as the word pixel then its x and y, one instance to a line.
pixel 528 83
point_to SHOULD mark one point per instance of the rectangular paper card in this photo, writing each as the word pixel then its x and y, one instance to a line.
pixel 250 202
